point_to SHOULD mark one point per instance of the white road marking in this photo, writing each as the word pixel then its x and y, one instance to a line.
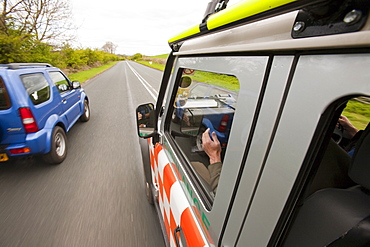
pixel 146 84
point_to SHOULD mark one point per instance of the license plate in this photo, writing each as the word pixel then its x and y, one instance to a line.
pixel 3 157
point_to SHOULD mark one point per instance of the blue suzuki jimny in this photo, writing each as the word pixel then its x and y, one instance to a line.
pixel 38 105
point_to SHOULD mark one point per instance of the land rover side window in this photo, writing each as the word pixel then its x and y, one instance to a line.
pixel 60 81
pixel 204 107
pixel 334 203
pixel 4 96
pixel 37 87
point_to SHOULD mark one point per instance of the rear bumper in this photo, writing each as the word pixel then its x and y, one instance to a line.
pixel 36 142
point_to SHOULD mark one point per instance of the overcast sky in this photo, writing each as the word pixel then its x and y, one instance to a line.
pixel 138 26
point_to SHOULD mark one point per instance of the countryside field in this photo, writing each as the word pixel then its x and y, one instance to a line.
pixel 358 113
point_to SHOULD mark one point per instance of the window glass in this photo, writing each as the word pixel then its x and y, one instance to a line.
pixel 329 181
pixel 37 87
pixel 204 111
pixel 4 97
pixel 60 81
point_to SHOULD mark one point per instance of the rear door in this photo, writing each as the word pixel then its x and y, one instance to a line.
pixel 9 121
pixel 320 86
pixel 30 90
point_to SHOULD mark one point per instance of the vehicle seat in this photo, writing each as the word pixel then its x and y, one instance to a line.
pixel 333 170
pixel 329 217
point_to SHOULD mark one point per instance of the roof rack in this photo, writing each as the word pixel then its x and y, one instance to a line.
pixel 25 65
pixel 243 12
pixel 213 7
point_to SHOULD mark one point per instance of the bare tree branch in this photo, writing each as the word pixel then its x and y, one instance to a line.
pixel 109 47
pixel 46 20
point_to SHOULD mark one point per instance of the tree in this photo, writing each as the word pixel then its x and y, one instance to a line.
pixel 25 49
pixel 136 56
pixel 45 20
pixel 109 47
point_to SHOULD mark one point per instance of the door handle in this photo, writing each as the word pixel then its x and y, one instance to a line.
pixel 178 231
pixel 64 101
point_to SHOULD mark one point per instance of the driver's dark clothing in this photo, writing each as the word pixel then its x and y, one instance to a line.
pixel 350 147
pixel 214 172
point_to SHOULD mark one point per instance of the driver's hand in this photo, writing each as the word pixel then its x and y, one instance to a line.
pixel 347 125
pixel 211 147
pixel 139 116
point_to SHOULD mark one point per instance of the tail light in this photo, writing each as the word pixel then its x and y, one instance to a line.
pixel 223 123
pixel 28 120
pixel 20 150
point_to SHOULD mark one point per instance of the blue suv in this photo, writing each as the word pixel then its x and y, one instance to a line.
pixel 38 105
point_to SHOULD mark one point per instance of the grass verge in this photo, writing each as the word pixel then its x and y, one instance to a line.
pixel 152 65
pixel 358 113
pixel 224 81
pixel 83 76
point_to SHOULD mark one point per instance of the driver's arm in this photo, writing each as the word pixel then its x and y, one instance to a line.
pixel 213 150
pixel 211 147
pixel 347 125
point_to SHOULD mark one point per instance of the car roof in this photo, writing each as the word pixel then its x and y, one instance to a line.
pixel 24 65
pixel 273 32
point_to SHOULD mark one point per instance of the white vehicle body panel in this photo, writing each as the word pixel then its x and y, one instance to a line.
pixel 290 96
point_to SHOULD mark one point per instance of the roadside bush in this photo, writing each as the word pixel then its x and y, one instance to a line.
pixel 156 60
pixel 25 49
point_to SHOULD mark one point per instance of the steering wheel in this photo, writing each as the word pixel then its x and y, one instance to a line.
pixel 338 134
pixel 198 140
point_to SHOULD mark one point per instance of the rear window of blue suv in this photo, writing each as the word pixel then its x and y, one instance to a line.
pixel 37 87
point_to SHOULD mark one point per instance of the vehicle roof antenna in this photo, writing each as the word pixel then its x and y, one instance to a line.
pixel 213 7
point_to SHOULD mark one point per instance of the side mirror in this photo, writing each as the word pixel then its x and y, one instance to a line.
pixel 145 119
pixel 185 82
pixel 183 92
pixel 76 84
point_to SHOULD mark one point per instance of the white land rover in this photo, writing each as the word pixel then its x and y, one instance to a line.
pixel 280 88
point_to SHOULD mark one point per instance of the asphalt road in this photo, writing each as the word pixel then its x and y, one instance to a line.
pixel 96 196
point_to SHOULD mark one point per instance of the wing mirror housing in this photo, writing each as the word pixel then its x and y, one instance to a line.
pixel 145 120
pixel 76 84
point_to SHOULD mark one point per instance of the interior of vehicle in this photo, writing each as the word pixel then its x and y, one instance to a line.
pixel 334 206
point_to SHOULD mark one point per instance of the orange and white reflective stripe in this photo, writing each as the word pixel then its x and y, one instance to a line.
pixel 175 207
